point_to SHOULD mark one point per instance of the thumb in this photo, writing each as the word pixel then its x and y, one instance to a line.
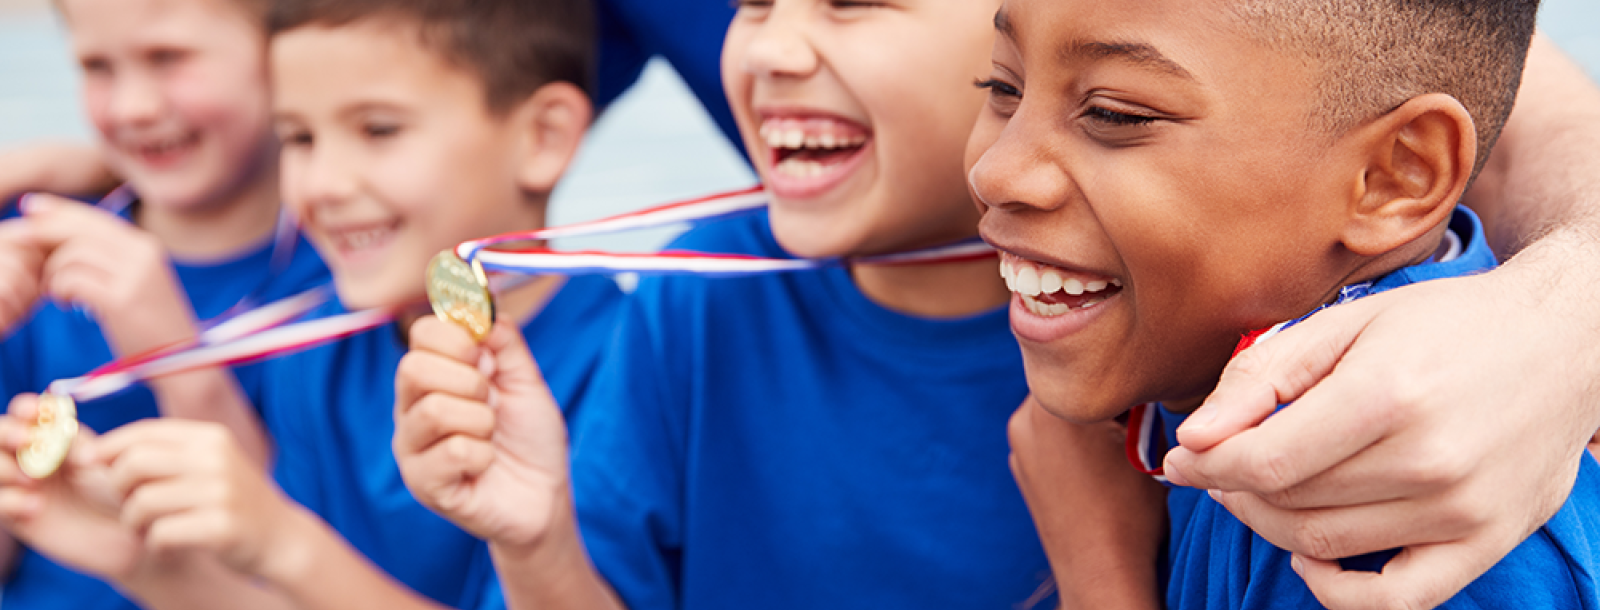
pixel 509 364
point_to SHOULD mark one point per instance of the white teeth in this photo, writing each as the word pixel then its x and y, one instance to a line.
pixel 1028 281
pixel 1049 281
pixel 826 141
pixel 1116 282
pixel 1095 286
pixel 800 168
pixel 1072 286
pixel 793 138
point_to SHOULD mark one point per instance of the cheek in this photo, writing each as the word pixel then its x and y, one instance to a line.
pixel 97 93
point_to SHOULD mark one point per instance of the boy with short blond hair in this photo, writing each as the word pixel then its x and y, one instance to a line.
pixel 408 126
pixel 1226 166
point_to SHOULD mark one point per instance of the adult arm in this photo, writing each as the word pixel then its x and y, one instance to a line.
pixel 1407 404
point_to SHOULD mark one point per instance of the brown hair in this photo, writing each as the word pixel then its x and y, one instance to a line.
pixel 514 46
pixel 1376 54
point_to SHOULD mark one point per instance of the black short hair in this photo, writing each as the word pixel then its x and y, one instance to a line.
pixel 1377 54
pixel 514 46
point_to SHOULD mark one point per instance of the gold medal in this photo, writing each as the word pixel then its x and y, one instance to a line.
pixel 459 292
pixel 50 436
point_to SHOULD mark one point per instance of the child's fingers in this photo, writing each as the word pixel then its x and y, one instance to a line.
pixel 55 220
pixel 424 373
pixel 515 369
pixel 163 498
pixel 439 416
pixel 18 504
pixel 435 475
pixel 430 334
pixel 144 466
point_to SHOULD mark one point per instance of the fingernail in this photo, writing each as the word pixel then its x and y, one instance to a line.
pixel 1201 418
pixel 1298 564
pixel 1175 476
pixel 1215 494
pixel 26 202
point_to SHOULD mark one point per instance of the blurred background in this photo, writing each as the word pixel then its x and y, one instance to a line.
pixel 653 145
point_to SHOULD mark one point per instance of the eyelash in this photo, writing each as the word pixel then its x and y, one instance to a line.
pixel 997 87
pixel 1118 118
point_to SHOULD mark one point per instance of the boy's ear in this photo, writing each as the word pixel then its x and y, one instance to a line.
pixel 1418 160
pixel 552 123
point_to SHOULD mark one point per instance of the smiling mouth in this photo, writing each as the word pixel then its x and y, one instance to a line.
pixel 357 240
pixel 1048 291
pixel 164 150
pixel 811 147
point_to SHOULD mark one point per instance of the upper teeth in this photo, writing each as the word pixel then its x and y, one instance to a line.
pixel 1032 281
pixel 794 135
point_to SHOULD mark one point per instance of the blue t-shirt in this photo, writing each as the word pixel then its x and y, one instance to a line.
pixel 1218 562
pixel 782 441
pixel 59 343
pixel 331 410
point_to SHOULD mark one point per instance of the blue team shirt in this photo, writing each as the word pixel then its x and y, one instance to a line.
pixel 59 343
pixel 783 442
pixel 331 410
pixel 1217 562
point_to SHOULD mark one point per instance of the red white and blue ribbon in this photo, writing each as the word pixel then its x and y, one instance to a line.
pixel 265 332
pixel 542 260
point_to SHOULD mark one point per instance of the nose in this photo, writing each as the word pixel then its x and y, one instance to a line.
pixel 136 99
pixel 1020 170
pixel 781 45
pixel 318 176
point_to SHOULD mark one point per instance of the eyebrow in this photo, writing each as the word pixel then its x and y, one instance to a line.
pixel 1137 53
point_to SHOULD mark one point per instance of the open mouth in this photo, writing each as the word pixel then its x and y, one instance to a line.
pixel 357 240
pixel 811 154
pixel 1048 291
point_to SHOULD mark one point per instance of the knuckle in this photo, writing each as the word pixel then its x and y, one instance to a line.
pixel 1270 471
pixel 1312 538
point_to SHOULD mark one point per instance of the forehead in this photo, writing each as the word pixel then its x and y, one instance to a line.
pixel 373 61
pixel 150 20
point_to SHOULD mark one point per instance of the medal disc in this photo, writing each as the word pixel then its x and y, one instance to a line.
pixel 459 293
pixel 50 436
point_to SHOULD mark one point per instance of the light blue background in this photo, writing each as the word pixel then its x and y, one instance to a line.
pixel 653 145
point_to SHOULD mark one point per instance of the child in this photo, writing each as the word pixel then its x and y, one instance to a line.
pixel 831 438
pixel 1218 167
pixel 177 92
pixel 407 127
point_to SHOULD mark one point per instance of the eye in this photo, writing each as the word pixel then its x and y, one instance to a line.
pixel 847 4
pixel 751 4
pixel 1118 119
pixel 294 138
pixel 166 57
pixel 380 130
pixel 95 66
pixel 1004 97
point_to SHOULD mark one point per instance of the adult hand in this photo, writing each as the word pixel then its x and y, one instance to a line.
pixel 187 486
pixel 70 516
pixel 1102 522
pixel 120 273
pixel 1406 407
pixel 478 437
pixel 21 264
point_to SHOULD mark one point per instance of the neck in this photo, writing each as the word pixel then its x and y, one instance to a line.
pixel 216 231
pixel 946 290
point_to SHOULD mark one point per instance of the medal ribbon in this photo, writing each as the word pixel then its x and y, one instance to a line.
pixel 265 332
pixel 724 205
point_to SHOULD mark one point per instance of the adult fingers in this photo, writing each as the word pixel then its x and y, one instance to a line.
pixel 440 416
pixel 1271 373
pixel 1333 533
pixel 1419 577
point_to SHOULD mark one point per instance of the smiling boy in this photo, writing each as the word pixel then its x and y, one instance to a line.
pixel 1220 167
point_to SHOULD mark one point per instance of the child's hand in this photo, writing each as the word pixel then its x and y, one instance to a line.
pixel 117 271
pixel 74 168
pixel 21 264
pixel 1101 521
pixel 70 516
pixel 477 435
pixel 186 485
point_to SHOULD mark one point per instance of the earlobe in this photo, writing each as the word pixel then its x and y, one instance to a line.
pixel 552 122
pixel 1420 158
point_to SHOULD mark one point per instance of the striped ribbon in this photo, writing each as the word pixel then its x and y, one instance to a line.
pixel 265 332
